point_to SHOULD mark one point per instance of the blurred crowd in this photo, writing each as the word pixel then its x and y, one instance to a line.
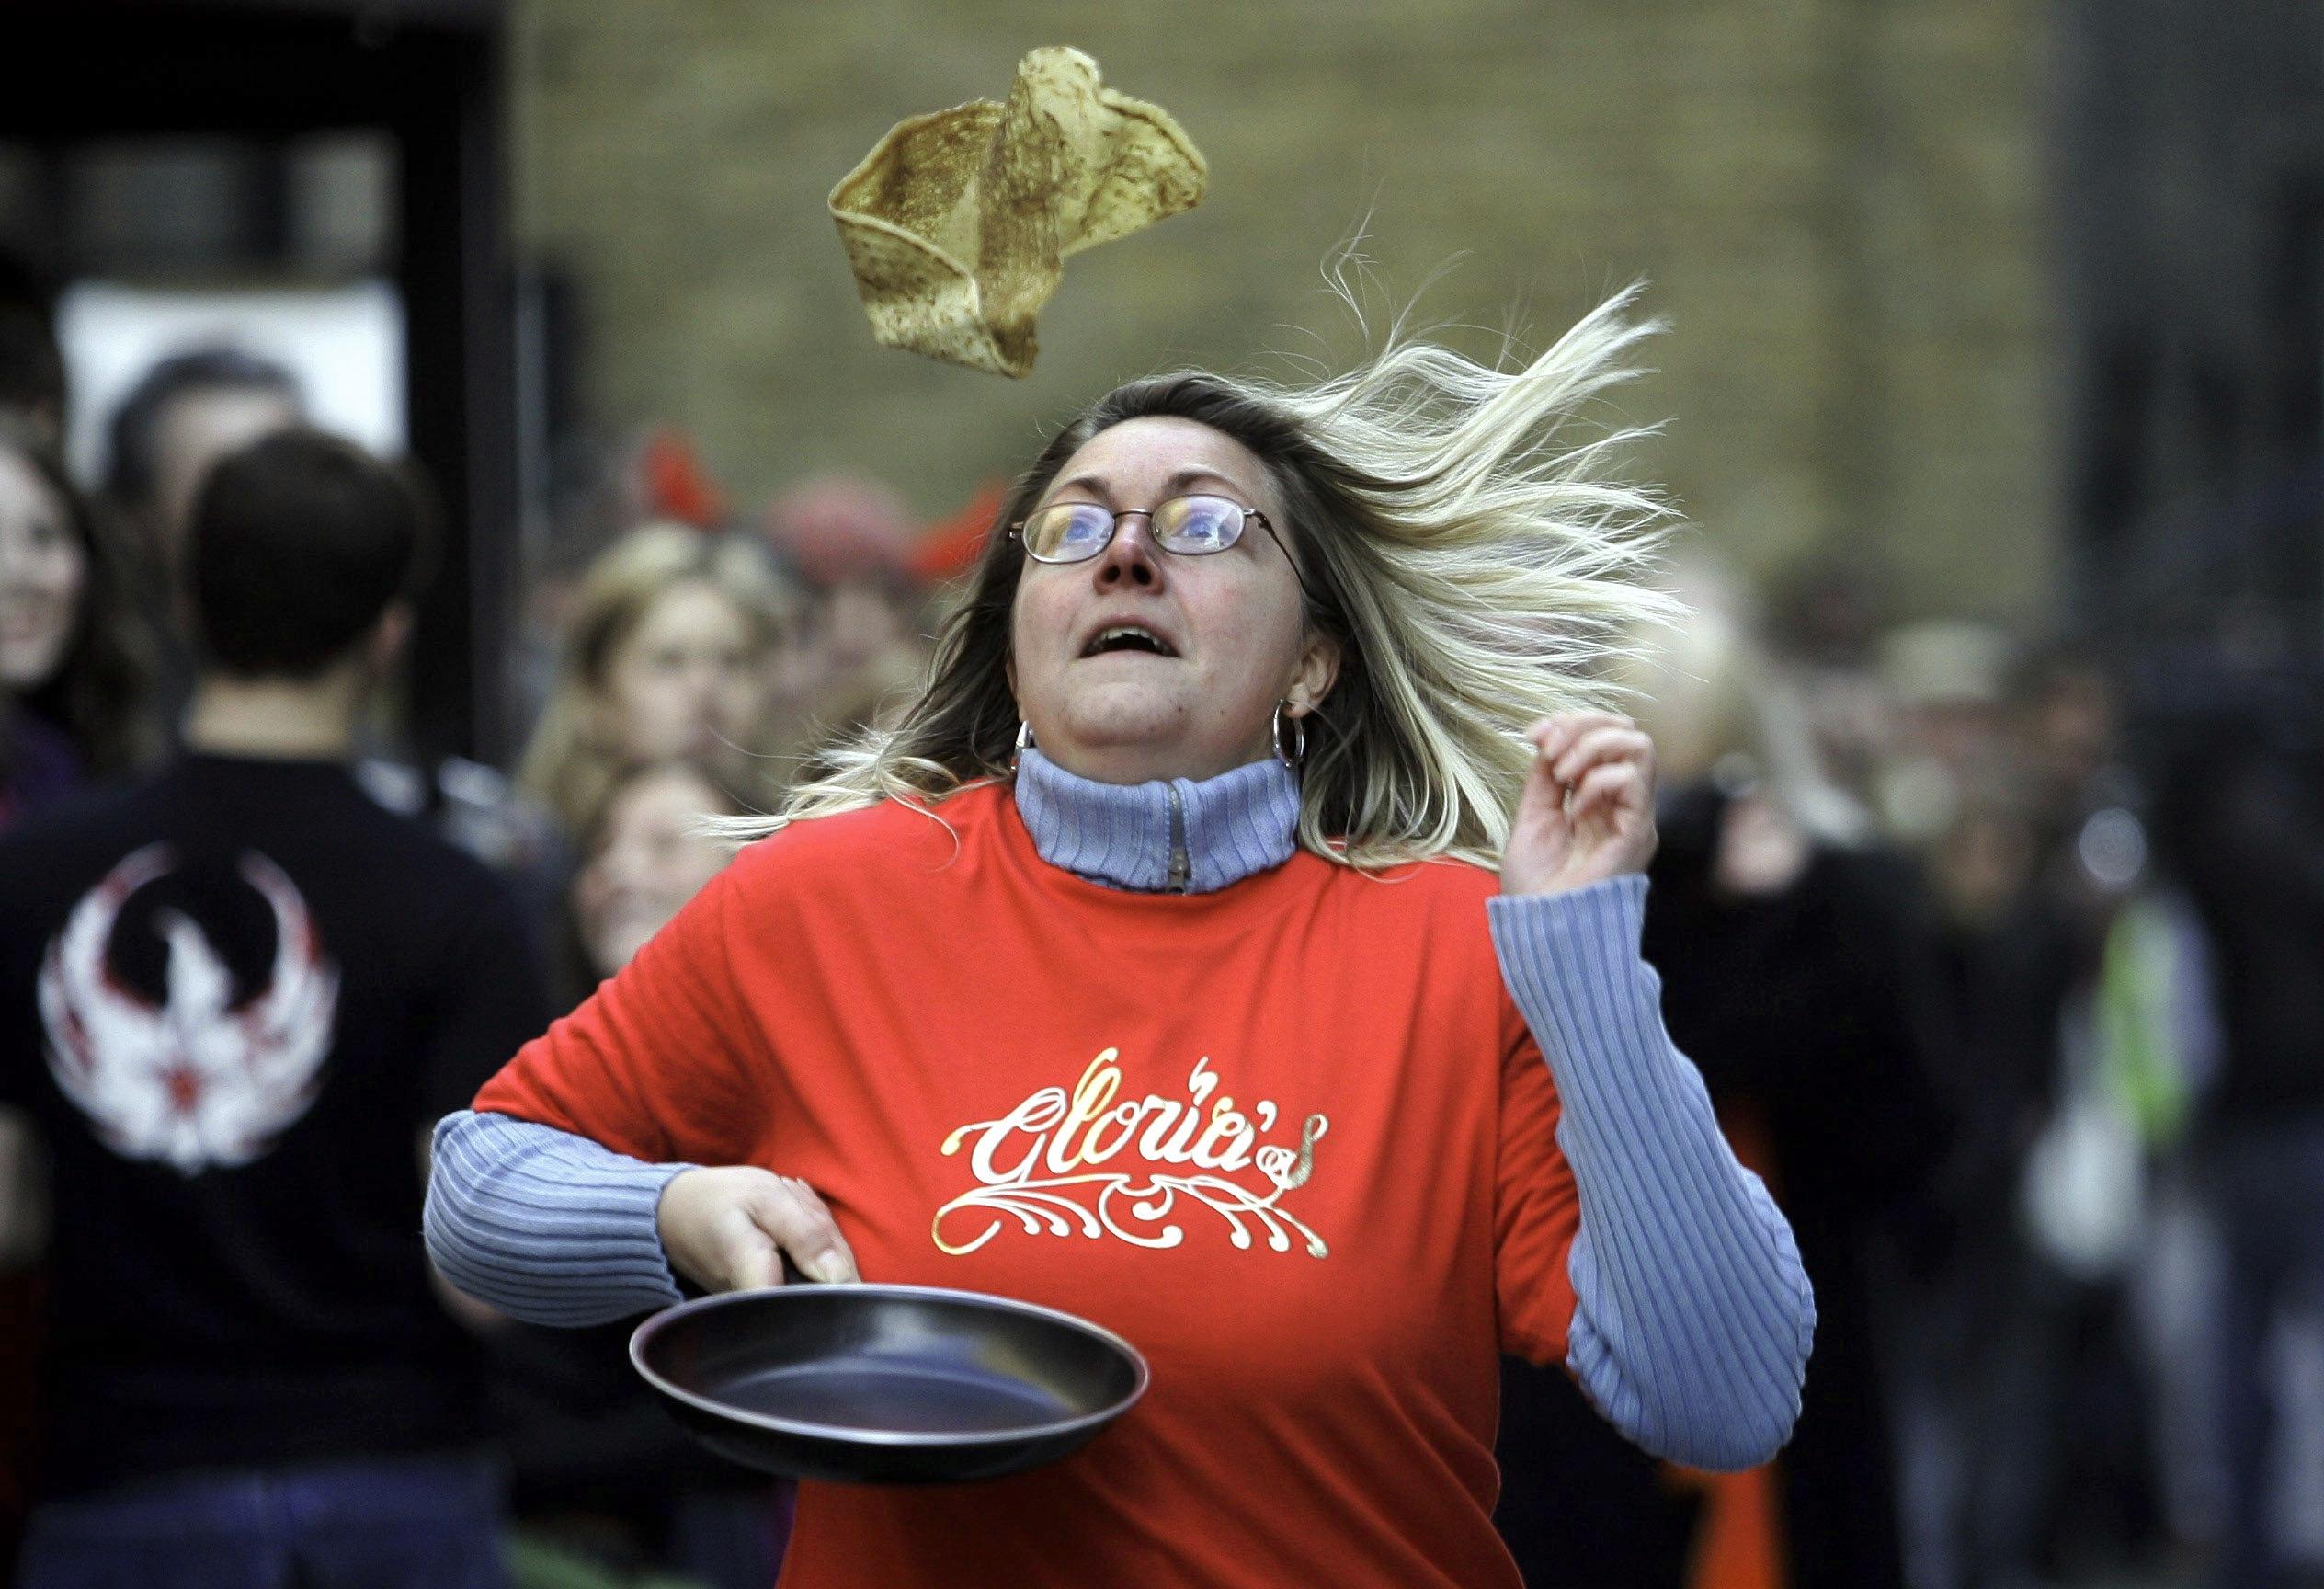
pixel 1988 946
pixel 678 663
pixel 1999 953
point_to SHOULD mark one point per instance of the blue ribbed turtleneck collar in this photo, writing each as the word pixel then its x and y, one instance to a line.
pixel 1128 835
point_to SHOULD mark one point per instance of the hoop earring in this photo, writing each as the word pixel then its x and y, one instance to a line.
pixel 1024 743
pixel 1296 756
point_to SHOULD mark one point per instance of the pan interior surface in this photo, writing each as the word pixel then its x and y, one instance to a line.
pixel 871 1393
pixel 890 1363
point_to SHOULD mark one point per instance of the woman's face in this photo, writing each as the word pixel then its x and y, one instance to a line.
pixel 43 575
pixel 687 680
pixel 1229 626
pixel 648 863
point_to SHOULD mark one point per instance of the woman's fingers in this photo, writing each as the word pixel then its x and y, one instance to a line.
pixel 727 1229
pixel 1587 813
pixel 748 1258
pixel 1567 743
pixel 1552 734
pixel 814 1241
pixel 1610 786
pixel 1612 742
pixel 790 1212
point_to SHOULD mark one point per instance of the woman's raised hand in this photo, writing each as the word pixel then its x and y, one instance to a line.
pixel 1588 810
pixel 727 1230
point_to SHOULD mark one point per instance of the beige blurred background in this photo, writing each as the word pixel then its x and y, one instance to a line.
pixel 1838 207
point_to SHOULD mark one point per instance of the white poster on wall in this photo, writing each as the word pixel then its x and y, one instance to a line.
pixel 345 344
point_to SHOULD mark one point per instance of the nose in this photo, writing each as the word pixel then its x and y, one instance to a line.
pixel 1131 557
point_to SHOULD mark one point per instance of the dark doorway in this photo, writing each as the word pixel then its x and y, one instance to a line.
pixel 204 144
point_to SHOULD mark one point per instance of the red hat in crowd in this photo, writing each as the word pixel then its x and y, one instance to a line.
pixel 949 546
pixel 672 484
pixel 842 528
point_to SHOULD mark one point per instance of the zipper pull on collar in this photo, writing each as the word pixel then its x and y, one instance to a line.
pixel 1181 865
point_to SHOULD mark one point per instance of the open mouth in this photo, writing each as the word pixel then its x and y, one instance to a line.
pixel 1127 637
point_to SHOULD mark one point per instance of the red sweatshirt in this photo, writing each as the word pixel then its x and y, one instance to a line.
pixel 1291 1139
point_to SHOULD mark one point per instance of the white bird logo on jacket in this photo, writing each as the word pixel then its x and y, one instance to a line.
pixel 196 1081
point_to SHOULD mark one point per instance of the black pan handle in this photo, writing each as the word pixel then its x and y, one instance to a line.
pixel 792 1276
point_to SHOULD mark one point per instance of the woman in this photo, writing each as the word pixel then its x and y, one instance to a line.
pixel 1174 1028
pixel 72 652
pixel 669 655
pixel 644 858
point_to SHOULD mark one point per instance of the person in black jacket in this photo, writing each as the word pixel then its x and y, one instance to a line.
pixel 233 997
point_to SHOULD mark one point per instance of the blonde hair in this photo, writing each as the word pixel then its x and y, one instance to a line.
pixel 1476 564
pixel 570 764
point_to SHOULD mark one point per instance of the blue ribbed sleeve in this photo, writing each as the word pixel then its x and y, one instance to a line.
pixel 545 1226
pixel 1692 1316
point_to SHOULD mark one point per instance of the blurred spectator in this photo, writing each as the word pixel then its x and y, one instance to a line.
pixel 2036 1449
pixel 602 1483
pixel 644 856
pixel 234 996
pixel 1708 690
pixel 2066 733
pixel 675 637
pixel 38 767
pixel 1824 624
pixel 165 435
pixel 601 494
pixel 73 654
pixel 186 413
pixel 1946 681
pixel 42 578
pixel 852 543
pixel 1799 976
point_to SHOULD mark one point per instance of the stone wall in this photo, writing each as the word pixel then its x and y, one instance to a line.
pixel 1837 203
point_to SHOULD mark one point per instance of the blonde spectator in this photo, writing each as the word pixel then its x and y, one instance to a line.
pixel 669 653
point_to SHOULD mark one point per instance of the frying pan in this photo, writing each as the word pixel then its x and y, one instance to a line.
pixel 886 1384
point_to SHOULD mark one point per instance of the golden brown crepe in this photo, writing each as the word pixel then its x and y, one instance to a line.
pixel 958 223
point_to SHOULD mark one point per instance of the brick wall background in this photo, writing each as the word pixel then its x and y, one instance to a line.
pixel 1839 205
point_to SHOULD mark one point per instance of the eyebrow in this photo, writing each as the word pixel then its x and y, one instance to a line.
pixel 1170 487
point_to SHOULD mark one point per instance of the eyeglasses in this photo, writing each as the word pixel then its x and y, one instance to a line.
pixel 1188 526
pixel 1185 526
